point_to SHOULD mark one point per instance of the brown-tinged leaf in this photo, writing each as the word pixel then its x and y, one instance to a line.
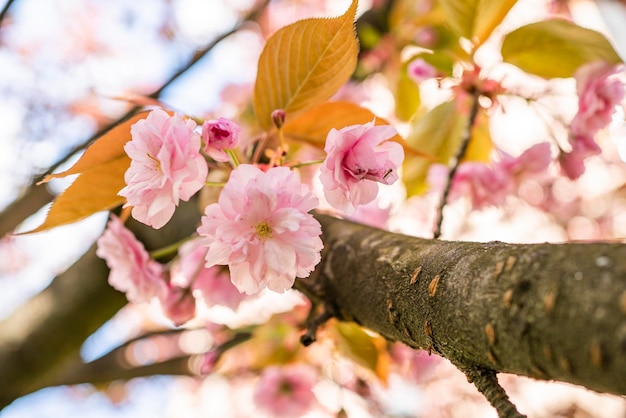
pixel 93 191
pixel 313 125
pixel 305 63
pixel 108 147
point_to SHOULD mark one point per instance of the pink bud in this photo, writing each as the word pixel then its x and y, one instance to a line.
pixel 219 135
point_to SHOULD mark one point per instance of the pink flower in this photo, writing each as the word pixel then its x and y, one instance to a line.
pixel 166 167
pixel 356 160
pixel 178 304
pixel 286 391
pixel 573 162
pixel 213 283
pixel 598 94
pixel 219 135
pixel 262 230
pixel 132 270
pixel 489 185
pixel 419 70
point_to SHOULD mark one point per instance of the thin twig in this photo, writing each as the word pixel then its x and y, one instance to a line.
pixel 467 136
pixel 201 53
pixel 486 382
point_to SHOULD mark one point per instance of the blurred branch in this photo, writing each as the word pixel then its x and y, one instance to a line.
pixel 5 10
pixel 43 337
pixel 34 197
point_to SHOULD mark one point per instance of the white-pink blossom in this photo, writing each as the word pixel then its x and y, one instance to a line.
pixel 132 270
pixel 359 157
pixel 219 135
pixel 286 391
pixel 166 166
pixel 262 230
pixel 599 92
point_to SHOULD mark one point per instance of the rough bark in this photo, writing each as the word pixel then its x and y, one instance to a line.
pixel 548 311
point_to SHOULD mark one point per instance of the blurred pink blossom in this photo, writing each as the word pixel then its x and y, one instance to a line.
pixel 573 162
pixel 286 391
pixel 357 159
pixel 489 185
pixel 132 270
pixel 166 167
pixel 598 95
pixel 262 230
pixel 419 70
pixel 179 305
pixel 212 283
pixel 220 134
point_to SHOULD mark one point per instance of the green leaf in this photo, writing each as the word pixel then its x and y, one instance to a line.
pixel 556 48
pixel 475 19
pixel 437 133
pixel 304 64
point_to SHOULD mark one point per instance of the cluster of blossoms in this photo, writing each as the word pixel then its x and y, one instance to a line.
pixel 489 185
pixel 599 92
pixel 260 227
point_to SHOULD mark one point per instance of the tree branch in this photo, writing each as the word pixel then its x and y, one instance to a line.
pixel 43 337
pixel 548 311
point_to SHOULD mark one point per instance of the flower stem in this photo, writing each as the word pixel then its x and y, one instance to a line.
pixel 233 157
pixel 169 249
pixel 307 163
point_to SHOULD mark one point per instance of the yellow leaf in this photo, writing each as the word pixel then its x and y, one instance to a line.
pixel 436 133
pixel 106 148
pixel 93 191
pixel 365 349
pixel 475 19
pixel 408 98
pixel 313 125
pixel 304 64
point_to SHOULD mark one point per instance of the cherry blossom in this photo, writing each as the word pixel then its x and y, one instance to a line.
pixel 212 284
pixel 419 70
pixel 166 167
pixel 132 270
pixel 357 159
pixel 489 185
pixel 218 135
pixel 286 391
pixel 599 92
pixel 262 230
pixel 178 304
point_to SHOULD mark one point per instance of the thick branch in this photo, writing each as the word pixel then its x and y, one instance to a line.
pixel 549 311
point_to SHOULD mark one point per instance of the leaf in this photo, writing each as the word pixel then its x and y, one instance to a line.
pixel 408 98
pixel 304 64
pixel 366 350
pixel 475 19
pixel 556 48
pixel 93 191
pixel 108 147
pixel 437 133
pixel 313 125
